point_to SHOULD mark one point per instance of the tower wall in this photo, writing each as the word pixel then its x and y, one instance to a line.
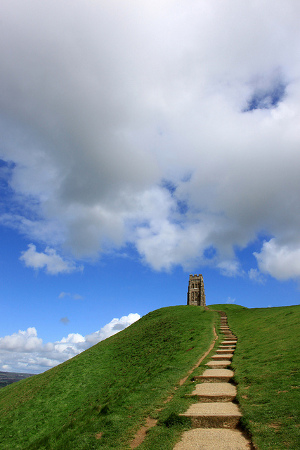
pixel 196 292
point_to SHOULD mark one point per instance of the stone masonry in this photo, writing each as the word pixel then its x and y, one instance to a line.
pixel 196 293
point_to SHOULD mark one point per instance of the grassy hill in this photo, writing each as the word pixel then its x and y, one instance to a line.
pixel 100 398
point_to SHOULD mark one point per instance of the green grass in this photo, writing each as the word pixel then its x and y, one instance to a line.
pixel 267 366
pixel 110 388
pixel 170 425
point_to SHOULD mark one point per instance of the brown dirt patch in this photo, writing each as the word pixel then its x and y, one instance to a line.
pixel 141 434
pixel 275 426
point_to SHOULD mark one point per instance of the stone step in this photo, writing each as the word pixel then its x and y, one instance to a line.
pixel 223 351
pixel 229 349
pixel 212 439
pixel 214 415
pixel 214 392
pixel 219 364
pixel 228 343
pixel 215 375
pixel 226 356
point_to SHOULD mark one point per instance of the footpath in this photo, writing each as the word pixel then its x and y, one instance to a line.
pixel 216 415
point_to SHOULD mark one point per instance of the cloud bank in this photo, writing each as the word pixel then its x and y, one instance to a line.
pixel 25 352
pixel 173 127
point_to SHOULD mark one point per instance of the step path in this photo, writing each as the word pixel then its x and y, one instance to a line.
pixel 215 417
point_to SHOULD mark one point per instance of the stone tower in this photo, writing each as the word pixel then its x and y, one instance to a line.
pixel 196 293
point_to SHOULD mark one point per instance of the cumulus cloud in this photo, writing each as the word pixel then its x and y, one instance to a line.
pixel 111 328
pixel 24 351
pixel 23 341
pixel 49 260
pixel 170 126
pixel 279 260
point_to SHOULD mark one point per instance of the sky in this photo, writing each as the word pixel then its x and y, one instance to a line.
pixel 142 142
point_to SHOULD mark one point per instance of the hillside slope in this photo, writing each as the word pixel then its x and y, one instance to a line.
pixel 99 398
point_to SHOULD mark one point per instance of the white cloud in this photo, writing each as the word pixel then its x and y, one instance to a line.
pixel 256 276
pixel 230 268
pixel 23 341
pixel 281 261
pixel 111 328
pixel 69 295
pixel 230 301
pixel 98 111
pixel 25 352
pixel 49 260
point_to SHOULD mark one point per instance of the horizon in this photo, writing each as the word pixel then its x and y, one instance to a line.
pixel 115 332
pixel 142 143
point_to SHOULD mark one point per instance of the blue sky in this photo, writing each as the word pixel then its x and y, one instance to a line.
pixel 142 142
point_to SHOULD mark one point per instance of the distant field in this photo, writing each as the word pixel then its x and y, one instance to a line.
pixel 7 378
pixel 101 397
pixel 267 370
